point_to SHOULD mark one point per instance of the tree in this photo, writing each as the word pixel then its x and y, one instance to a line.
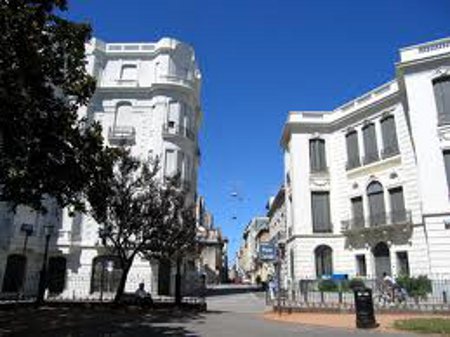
pixel 46 149
pixel 177 237
pixel 130 209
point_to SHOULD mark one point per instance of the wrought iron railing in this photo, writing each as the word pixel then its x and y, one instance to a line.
pixel 179 130
pixel 121 134
pixel 379 219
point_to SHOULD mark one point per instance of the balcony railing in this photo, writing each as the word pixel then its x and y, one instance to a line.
pixel 377 220
pixel 319 170
pixel 178 130
pixel 120 135
pixel 389 151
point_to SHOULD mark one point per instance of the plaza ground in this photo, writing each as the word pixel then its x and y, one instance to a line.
pixel 230 315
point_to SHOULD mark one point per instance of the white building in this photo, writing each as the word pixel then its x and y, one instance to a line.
pixel 367 184
pixel 147 97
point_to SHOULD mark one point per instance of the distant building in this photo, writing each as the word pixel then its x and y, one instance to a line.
pixel 367 184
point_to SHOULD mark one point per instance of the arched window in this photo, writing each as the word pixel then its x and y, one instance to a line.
pixel 377 211
pixel 56 274
pixel 441 87
pixel 106 273
pixel 123 111
pixel 14 273
pixel 324 261
pixel 317 155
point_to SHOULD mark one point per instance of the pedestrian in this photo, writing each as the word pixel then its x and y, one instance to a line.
pixel 143 298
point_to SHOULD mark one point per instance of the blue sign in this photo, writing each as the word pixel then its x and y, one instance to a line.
pixel 267 251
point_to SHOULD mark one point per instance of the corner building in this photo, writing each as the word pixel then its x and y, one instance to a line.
pixel 148 99
pixel 367 184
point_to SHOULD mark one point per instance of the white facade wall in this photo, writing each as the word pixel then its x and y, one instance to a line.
pixel 418 168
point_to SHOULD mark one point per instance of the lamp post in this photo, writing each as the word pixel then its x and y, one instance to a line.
pixel 43 273
pixel 28 230
pixel 280 257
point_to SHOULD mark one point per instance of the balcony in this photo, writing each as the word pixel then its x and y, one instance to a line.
pixel 122 135
pixel 377 221
pixel 170 130
pixel 389 151
pixel 176 80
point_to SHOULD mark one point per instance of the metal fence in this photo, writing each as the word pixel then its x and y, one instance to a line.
pixel 337 294
pixel 85 288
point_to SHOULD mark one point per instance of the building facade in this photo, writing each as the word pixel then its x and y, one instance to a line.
pixel 367 184
pixel 148 99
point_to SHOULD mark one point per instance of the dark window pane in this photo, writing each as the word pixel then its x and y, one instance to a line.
pixel 357 212
pixel 14 273
pixel 398 212
pixel 447 166
pixel 389 136
pixel 441 88
pixel 376 204
pixel 352 150
pixel 370 144
pixel 317 155
pixel 320 204
pixel 324 261
pixel 56 274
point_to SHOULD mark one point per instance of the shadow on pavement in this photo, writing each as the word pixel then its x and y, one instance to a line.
pixel 77 322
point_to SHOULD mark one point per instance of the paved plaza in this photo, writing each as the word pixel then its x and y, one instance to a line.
pixel 228 315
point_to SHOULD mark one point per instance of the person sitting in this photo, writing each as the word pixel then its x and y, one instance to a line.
pixel 143 298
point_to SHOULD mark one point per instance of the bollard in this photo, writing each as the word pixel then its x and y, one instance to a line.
pixel 340 297
pixel 305 296
pixel 321 297
pixel 444 297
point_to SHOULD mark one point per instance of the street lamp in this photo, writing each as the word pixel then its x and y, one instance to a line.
pixel 28 230
pixel 43 273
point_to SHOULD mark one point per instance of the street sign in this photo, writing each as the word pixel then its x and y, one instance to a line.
pixel 267 251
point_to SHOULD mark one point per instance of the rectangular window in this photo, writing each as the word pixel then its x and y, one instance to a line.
pixel 361 267
pixel 128 72
pixel 389 137
pixel 292 263
pixel 170 165
pixel 441 88
pixel 352 150
pixel 317 156
pixel 357 213
pixel 398 212
pixel 173 116
pixel 402 263
pixel 370 144
pixel 320 204
pixel 447 167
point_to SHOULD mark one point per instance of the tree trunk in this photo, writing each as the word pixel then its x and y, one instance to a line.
pixel 123 281
pixel 178 282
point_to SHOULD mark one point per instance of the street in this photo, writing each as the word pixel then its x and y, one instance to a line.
pixel 228 315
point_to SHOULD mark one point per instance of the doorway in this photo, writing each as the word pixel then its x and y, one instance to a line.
pixel 382 259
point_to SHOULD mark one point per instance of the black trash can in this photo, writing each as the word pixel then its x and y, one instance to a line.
pixel 365 315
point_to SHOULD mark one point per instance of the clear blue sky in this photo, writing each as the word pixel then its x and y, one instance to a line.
pixel 262 58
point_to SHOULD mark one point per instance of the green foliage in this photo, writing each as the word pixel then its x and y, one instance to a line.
pixel 328 285
pixel 356 283
pixel 417 287
pixel 425 325
pixel 46 148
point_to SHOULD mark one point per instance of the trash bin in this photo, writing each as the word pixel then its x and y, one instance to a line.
pixel 365 316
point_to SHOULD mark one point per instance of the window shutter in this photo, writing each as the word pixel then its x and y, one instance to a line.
pixel 317 155
pixel 352 149
pixel 358 212
pixel 321 212
pixel 397 205
pixel 389 136
pixel 370 144
pixel 447 166
pixel 441 89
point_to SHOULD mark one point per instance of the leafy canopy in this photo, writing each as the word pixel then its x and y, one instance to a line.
pixel 46 149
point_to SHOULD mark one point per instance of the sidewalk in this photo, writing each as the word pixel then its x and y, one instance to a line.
pixel 342 320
